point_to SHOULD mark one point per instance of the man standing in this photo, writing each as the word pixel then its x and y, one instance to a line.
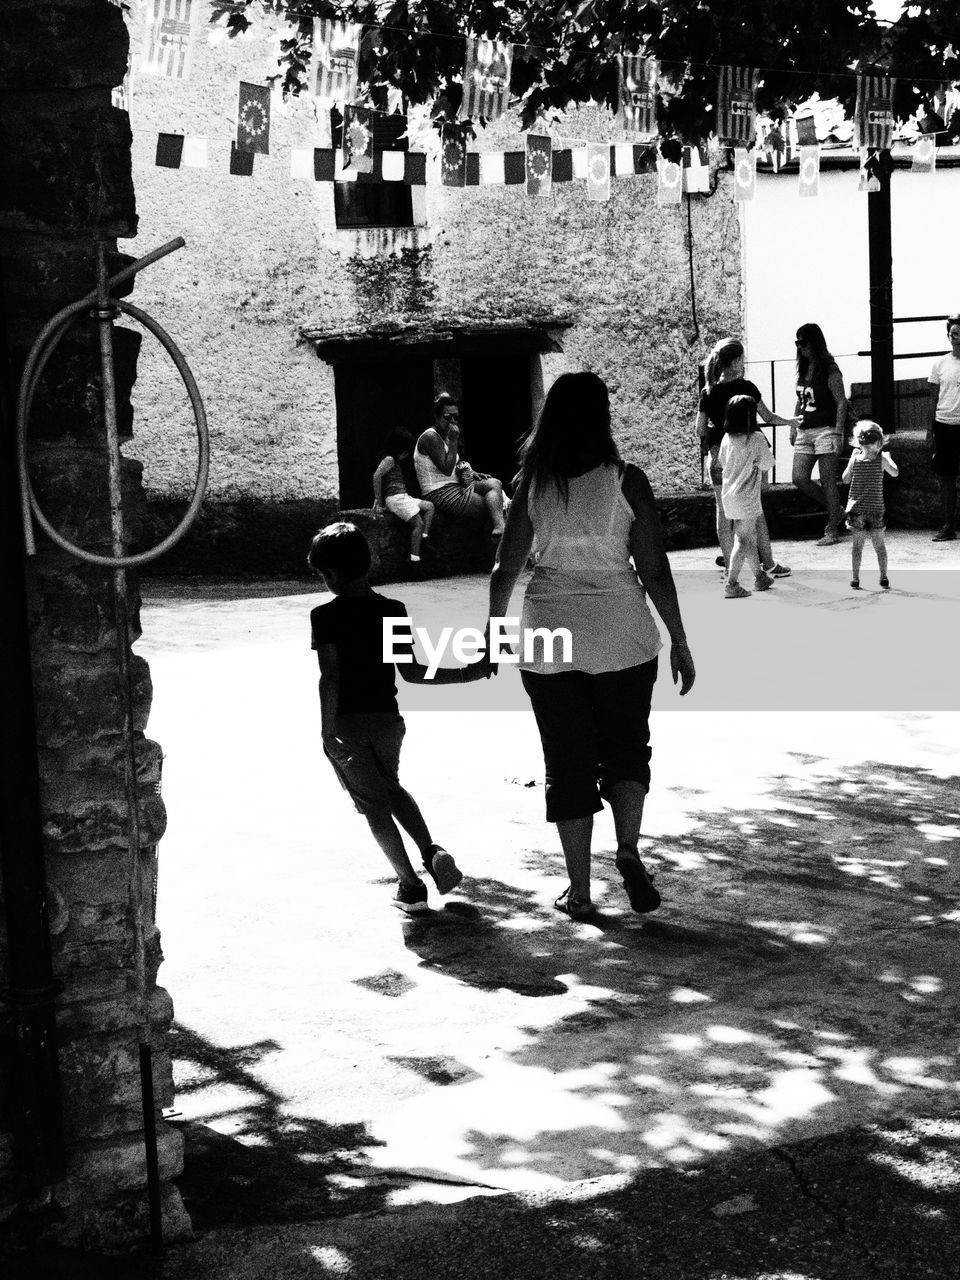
pixel 447 480
pixel 943 434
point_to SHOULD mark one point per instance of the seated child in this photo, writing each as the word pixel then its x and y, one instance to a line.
pixel 865 509
pixel 390 491
pixel 361 727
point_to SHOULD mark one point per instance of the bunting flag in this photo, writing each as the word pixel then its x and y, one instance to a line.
pixel 809 171
pixel 737 105
pixel 491 169
pixel 486 79
pixel 538 164
pixel 393 166
pixel 334 60
pixel 696 171
pixel 669 181
pixel 637 79
pixel 169 150
pixel 453 155
pixel 195 153
pixel 744 173
pixel 869 180
pixel 873 114
pixel 241 162
pixel 171 27
pixel 358 139
pixel 775 147
pixel 924 156
pixel 253 118
pixel 598 171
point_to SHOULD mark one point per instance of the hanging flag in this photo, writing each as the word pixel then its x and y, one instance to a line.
pixel 924 156
pixel 539 157
pixel 598 171
pixel 737 105
pixel 334 60
pixel 579 160
pixel 301 162
pixel 744 173
pixel 394 166
pixel 775 147
pixel 170 37
pixel 669 181
pixel 195 153
pixel 253 118
pixel 637 79
pixel 873 114
pixel 696 171
pixel 453 155
pixel 809 171
pixel 358 139
pixel 241 162
pixel 169 150
pixel 625 158
pixel 806 126
pixel 486 79
pixel 491 169
pixel 869 178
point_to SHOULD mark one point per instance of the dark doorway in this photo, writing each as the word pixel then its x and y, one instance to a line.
pixel 373 399
pixel 496 409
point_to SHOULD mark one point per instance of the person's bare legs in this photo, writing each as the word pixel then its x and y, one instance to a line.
pixel 416 533
pixel 491 491
pixel 724 529
pixel 856 555
pixel 829 466
pixel 880 547
pixel 802 477
pixel 427 511
pixel 575 836
pixel 387 835
pixel 744 550
pixel 626 802
pixel 764 545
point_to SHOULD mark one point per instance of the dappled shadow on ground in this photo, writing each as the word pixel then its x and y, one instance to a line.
pixel 801 976
pixel 262 1164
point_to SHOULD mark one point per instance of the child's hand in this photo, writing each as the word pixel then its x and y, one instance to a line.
pixel 378 506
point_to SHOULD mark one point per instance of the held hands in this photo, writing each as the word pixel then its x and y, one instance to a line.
pixel 378 506
pixel 681 666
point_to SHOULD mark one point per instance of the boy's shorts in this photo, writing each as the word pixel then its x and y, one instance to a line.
pixel 817 440
pixel 866 521
pixel 372 741
pixel 402 505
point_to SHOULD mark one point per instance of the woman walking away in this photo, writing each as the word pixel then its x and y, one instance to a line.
pixel 822 405
pixel 724 379
pixel 865 508
pixel 744 455
pixel 585 515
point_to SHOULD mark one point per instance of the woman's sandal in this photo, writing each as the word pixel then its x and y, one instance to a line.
pixel 637 881
pixel 575 908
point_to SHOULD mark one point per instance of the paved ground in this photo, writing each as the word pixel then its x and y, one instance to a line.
pixel 760 1080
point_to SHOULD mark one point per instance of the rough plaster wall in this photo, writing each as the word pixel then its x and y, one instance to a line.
pixel 264 258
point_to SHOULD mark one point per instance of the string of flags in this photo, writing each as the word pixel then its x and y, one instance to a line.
pixel 171 30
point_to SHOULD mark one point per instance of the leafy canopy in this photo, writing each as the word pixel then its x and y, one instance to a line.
pixel 566 52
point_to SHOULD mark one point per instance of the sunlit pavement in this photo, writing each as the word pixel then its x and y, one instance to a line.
pixel 799 980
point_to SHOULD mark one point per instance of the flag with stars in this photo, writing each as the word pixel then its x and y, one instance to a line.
pixel 171 27
pixel 744 173
pixel 637 79
pixel 358 139
pixel 539 164
pixel 598 171
pixel 253 118
pixel 873 114
pixel 486 79
pixel 924 158
pixel 737 105
pixel 453 155
pixel 334 60
pixel 809 171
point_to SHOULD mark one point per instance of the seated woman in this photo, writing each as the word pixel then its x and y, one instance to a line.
pixel 390 491
pixel 446 479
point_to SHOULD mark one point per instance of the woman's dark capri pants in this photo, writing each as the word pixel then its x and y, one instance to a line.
pixel 595 731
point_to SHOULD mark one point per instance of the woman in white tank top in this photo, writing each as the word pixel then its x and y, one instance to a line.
pixel 592 526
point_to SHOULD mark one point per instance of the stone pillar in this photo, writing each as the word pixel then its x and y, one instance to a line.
pixel 67 185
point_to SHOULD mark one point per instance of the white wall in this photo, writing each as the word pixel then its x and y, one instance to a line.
pixel 806 260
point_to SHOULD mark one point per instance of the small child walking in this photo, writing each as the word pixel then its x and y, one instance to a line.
pixel 361 726
pixel 865 510
pixel 390 491
pixel 744 455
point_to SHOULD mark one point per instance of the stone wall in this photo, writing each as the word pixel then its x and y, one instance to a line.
pixel 264 261
pixel 67 184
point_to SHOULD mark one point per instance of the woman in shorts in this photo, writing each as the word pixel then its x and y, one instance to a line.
pixel 822 406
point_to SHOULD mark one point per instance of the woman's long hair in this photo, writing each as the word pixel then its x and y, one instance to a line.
pixel 572 434
pixel 820 357
pixel 722 357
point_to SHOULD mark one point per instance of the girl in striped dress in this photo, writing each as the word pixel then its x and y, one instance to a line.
pixel 865 510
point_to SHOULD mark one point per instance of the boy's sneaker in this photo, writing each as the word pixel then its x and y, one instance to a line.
pixel 762 582
pixel 946 534
pixel 441 866
pixel 780 571
pixel 412 900
pixel 734 591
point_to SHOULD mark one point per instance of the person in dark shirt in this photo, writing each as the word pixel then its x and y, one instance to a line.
pixel 724 380
pixel 817 438
pixel 361 725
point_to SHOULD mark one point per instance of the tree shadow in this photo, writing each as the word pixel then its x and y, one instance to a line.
pixel 270 1166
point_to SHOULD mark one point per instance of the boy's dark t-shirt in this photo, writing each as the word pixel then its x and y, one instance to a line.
pixel 354 624
pixel 714 403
